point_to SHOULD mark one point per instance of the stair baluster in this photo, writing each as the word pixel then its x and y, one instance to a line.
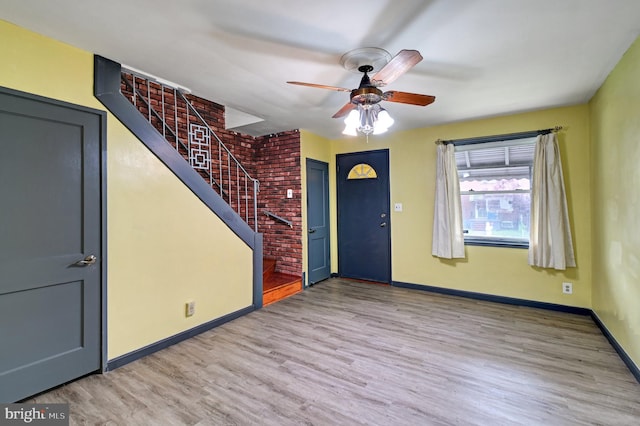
pixel 190 134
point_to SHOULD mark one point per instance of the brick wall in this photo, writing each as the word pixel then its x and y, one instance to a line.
pixel 277 163
pixel 241 147
pixel 274 160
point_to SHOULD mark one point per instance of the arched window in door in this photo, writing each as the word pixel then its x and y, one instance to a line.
pixel 362 171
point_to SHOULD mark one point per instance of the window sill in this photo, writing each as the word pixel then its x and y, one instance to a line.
pixel 495 243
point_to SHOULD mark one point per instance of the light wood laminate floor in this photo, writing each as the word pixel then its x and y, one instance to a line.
pixel 349 353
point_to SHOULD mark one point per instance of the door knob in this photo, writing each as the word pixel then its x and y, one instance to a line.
pixel 311 230
pixel 383 224
pixel 89 260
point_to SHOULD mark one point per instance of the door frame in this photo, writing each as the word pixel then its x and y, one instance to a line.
pixel 102 152
pixel 388 202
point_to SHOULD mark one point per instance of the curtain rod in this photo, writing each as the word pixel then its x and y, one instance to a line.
pixel 495 138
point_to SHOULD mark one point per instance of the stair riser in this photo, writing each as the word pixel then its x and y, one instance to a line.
pixel 281 292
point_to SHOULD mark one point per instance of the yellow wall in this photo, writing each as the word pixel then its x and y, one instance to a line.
pixel 490 270
pixel 615 138
pixel 164 246
pixel 152 218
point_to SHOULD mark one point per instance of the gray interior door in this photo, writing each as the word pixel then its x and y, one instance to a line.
pixel 318 221
pixel 50 219
pixel 364 235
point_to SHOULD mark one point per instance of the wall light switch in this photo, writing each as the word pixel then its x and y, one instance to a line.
pixel 398 207
pixel 289 193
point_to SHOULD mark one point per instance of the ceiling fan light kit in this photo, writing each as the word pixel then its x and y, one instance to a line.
pixel 367 119
pixel 363 111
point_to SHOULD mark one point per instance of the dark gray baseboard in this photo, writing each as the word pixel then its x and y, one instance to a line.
pixel 147 350
pixel 497 299
pixel 169 341
pixel 621 352
pixel 533 304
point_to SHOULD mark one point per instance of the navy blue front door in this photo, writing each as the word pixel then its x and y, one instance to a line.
pixel 318 221
pixel 364 232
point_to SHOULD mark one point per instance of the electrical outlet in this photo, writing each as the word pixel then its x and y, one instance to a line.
pixel 567 288
pixel 190 308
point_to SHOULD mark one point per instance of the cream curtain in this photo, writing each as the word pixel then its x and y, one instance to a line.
pixel 448 240
pixel 550 244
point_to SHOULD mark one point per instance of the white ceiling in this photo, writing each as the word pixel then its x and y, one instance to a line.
pixel 481 57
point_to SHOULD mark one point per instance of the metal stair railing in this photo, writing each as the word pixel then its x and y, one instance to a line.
pixel 279 218
pixel 174 116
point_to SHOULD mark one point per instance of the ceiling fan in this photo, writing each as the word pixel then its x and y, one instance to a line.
pixel 363 109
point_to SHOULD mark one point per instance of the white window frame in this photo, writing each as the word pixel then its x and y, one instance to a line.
pixel 492 142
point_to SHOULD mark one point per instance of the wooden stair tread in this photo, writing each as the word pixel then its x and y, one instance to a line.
pixel 279 286
pixel 277 279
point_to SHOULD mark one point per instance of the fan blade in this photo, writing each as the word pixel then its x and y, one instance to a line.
pixel 344 110
pixel 320 86
pixel 398 65
pixel 408 98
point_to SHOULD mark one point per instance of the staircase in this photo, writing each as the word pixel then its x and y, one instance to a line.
pixel 276 285
pixel 172 114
